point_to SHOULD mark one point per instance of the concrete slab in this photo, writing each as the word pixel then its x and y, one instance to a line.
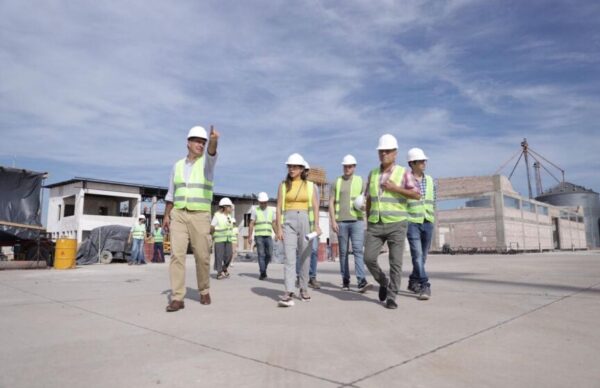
pixel 493 320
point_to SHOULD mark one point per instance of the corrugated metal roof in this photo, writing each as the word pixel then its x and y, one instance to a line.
pixel 567 187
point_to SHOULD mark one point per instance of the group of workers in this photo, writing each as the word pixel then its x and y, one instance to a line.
pixel 397 202
pixel 137 237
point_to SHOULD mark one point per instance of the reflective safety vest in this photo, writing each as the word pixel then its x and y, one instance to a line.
pixel 197 194
pixel 355 190
pixel 234 234
pixel 423 209
pixel 138 231
pixel 263 225
pixel 223 229
pixel 389 207
pixel 158 235
pixel 309 192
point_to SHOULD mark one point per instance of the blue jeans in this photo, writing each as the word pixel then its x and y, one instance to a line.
pixel 159 253
pixel 353 231
pixel 419 238
pixel 264 248
pixel 137 250
pixel 312 273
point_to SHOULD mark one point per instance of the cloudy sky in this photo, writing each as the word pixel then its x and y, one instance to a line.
pixel 109 89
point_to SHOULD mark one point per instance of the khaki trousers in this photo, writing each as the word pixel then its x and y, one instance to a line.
pixel 192 227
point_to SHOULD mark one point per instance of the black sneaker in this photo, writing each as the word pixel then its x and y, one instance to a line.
pixel 382 293
pixel 346 286
pixel 262 276
pixel 391 304
pixel 364 286
pixel 414 287
pixel 425 293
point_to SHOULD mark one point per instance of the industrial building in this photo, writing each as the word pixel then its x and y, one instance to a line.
pixel 78 205
pixel 487 213
pixel 569 194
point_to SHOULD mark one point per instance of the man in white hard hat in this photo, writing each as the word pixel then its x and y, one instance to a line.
pixel 387 212
pixel 136 238
pixel 221 229
pixel 187 213
pixel 262 226
pixel 420 223
pixel 347 222
pixel 159 253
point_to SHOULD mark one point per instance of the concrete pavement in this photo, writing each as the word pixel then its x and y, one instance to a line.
pixel 493 321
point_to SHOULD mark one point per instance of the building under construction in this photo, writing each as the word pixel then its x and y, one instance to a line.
pixel 486 213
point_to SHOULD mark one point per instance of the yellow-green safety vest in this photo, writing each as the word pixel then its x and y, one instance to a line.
pixel 223 229
pixel 197 194
pixel 355 190
pixel 309 192
pixel 389 207
pixel 139 231
pixel 423 209
pixel 263 225
pixel 234 234
pixel 158 235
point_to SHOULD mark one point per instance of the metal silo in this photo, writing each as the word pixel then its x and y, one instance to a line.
pixel 569 194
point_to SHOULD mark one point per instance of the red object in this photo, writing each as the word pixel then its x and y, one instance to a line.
pixel 148 251
pixel 322 252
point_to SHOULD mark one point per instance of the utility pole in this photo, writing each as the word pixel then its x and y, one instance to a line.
pixel 526 156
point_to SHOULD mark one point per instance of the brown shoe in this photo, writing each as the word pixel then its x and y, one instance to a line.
pixel 205 299
pixel 175 305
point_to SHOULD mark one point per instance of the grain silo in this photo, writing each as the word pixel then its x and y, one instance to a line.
pixel 569 194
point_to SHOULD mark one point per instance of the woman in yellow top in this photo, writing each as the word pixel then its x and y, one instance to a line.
pixel 297 216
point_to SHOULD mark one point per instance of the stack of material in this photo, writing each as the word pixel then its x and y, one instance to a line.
pixel 317 175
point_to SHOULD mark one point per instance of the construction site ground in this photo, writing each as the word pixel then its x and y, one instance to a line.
pixel 528 320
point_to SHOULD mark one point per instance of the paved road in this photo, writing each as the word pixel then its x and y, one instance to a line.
pixel 493 321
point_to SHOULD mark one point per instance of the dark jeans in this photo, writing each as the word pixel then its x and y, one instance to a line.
pixel 159 253
pixel 264 248
pixel 419 238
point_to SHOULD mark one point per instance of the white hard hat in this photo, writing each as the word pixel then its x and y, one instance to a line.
pixel 348 160
pixel 225 202
pixel 359 202
pixel 416 154
pixel 197 131
pixel 387 142
pixel 263 197
pixel 295 160
pixel 142 217
pixel 157 222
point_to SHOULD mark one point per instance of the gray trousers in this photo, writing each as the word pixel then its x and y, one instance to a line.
pixel 395 235
pixel 295 227
pixel 223 252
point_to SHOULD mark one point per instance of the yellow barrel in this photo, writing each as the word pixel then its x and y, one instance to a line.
pixel 65 253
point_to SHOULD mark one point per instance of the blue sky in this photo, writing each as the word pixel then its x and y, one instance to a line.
pixel 109 89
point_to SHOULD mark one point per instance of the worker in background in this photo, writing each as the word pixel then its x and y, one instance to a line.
pixel 234 238
pixel 159 254
pixel 421 216
pixel 312 273
pixel 297 218
pixel 387 218
pixel 221 229
pixel 346 220
pixel 137 235
pixel 187 214
pixel 262 226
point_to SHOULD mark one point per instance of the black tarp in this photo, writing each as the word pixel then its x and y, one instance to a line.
pixel 112 238
pixel 20 192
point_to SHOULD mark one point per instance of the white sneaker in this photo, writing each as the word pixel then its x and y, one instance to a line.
pixel 286 300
